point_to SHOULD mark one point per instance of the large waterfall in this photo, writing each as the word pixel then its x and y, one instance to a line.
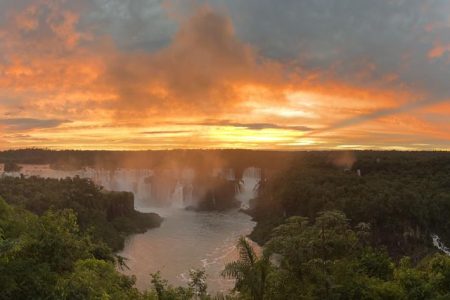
pixel 162 188
pixel 249 182
pixel 186 239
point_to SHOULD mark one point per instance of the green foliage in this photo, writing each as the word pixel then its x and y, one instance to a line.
pixel 250 271
pixel 327 258
pixel 108 216
pixel 96 279
pixel 404 197
pixel 328 233
pixel 49 257
pixel 197 283
pixel 161 290
pixel 316 255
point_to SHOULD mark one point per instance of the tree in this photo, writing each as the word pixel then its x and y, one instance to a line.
pixel 96 279
pixel 249 271
pixel 326 259
pixel 162 290
pixel 49 257
pixel 197 283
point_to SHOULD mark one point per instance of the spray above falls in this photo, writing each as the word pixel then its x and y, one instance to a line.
pixel 177 188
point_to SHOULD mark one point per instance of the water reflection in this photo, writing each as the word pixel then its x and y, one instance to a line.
pixel 187 240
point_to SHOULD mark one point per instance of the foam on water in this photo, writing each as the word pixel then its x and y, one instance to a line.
pixel 187 240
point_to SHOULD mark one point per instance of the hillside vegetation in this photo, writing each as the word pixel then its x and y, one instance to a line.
pixel 108 216
pixel 403 197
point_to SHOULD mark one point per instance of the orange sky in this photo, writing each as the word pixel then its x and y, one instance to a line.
pixel 68 82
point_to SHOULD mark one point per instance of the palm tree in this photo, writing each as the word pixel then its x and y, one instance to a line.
pixel 249 271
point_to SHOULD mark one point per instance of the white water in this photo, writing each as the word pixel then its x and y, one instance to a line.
pixel 186 239
pixel 438 244
pixel 250 179
pixel 147 187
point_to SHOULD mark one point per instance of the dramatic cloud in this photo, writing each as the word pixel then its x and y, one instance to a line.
pixel 224 73
pixel 381 113
pixel 204 69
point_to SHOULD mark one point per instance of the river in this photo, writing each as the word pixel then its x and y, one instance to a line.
pixel 186 240
pixel 189 239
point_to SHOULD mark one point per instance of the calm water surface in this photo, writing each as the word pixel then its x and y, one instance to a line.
pixel 187 240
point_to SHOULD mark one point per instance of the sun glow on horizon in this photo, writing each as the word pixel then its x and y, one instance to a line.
pixel 67 80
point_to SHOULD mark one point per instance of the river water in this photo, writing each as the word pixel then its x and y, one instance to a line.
pixel 189 239
pixel 186 240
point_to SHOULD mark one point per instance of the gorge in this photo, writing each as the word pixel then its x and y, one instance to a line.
pixel 193 234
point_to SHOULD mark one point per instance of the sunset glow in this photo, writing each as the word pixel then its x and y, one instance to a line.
pixel 164 74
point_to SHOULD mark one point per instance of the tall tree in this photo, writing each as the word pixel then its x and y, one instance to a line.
pixel 249 271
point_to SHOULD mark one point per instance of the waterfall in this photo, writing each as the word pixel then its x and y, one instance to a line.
pixel 178 196
pixel 129 180
pixel 438 244
pixel 168 187
pixel 250 179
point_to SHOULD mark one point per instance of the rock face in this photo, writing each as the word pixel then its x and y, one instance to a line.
pixel 218 194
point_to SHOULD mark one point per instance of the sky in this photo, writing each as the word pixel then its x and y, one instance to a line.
pixel 258 74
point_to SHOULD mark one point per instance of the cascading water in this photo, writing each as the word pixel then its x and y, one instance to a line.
pixel 167 188
pixel 438 244
pixel 250 180
pixel 186 239
pixel 178 196
pixel 151 189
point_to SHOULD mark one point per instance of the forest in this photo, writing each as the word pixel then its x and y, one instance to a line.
pixel 108 216
pixel 404 197
pixel 154 159
pixel 333 225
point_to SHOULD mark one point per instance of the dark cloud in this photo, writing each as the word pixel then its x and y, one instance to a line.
pixel 133 24
pixel 364 43
pixel 388 44
pixel 202 70
pixel 355 40
pixel 122 60
pixel 253 126
pixel 18 124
